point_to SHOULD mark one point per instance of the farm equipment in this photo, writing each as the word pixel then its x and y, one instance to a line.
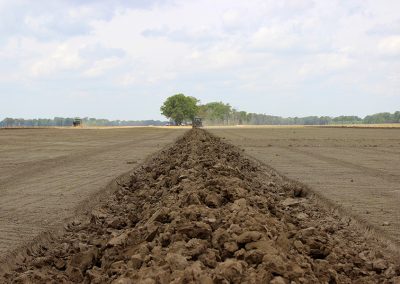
pixel 197 122
pixel 77 122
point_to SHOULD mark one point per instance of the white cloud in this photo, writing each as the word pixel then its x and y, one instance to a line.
pixel 127 79
pixel 273 38
pixel 323 64
pixel 390 45
pixel 231 19
pixel 63 58
pixel 101 66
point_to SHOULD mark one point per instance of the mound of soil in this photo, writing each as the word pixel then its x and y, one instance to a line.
pixel 201 212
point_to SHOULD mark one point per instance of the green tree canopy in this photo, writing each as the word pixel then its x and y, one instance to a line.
pixel 216 111
pixel 180 108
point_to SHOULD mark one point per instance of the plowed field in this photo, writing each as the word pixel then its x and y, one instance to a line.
pixel 201 212
pixel 45 174
pixel 358 169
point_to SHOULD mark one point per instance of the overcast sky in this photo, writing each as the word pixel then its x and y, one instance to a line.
pixel 109 59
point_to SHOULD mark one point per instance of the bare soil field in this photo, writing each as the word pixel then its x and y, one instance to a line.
pixel 201 212
pixel 357 169
pixel 45 174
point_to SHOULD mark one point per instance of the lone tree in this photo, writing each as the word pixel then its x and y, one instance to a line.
pixel 180 108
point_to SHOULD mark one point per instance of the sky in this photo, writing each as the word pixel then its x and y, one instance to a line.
pixel 120 59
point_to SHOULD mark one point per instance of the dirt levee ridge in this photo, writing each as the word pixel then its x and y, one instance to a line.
pixel 200 212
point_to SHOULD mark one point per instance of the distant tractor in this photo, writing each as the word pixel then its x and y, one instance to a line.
pixel 197 122
pixel 77 122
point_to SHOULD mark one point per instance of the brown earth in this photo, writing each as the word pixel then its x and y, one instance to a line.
pixel 201 212
pixel 356 169
pixel 46 174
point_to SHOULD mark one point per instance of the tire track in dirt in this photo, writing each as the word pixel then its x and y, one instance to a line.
pixel 201 212
pixel 35 168
pixel 369 171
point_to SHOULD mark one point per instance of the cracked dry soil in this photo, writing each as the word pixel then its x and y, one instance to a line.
pixel 201 212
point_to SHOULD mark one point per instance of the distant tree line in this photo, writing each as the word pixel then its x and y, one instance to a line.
pixel 214 113
pixel 219 113
pixel 61 121
pixel 180 109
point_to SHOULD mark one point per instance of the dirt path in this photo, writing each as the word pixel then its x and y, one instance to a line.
pixel 358 169
pixel 200 212
pixel 47 173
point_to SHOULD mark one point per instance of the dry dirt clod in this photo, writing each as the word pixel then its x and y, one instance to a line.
pixel 266 247
pixel 379 265
pixel 83 260
pixel 152 231
pixel 291 201
pixel 176 261
pixel 213 200
pixel 118 240
pixel 135 262
pixel 302 216
pixel 230 270
pixel 196 230
pixel 231 247
pixel 254 257
pixel 247 237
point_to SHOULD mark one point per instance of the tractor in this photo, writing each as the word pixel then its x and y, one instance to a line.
pixel 197 122
pixel 77 122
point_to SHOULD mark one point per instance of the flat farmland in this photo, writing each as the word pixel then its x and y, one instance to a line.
pixel 355 168
pixel 45 174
